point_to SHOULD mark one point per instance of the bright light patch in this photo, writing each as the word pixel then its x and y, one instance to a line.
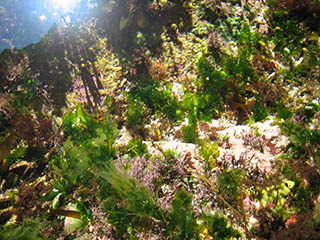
pixel 43 17
pixel 68 19
pixel 64 5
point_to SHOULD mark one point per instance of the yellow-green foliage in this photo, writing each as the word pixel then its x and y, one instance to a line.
pixel 108 65
pixel 277 195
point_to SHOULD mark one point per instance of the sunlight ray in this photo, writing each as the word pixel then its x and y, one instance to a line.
pixel 64 5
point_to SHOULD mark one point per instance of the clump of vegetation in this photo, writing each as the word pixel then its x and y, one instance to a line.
pixel 158 100
pixel 231 82
pixel 209 153
pixel 256 64
pixel 136 147
pixel 141 212
pixel 135 112
pixel 230 182
pixel 130 206
pixel 89 145
pixel 26 231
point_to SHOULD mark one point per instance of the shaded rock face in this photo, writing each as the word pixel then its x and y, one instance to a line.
pixel 51 61
pixel 307 11
pixel 55 61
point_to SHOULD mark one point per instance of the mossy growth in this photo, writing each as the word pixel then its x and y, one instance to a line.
pixel 159 99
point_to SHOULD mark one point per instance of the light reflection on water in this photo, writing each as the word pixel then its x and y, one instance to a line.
pixel 25 21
